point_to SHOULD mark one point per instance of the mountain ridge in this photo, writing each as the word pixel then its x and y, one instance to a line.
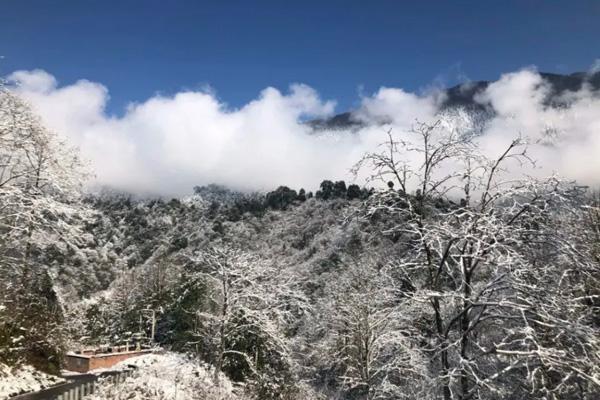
pixel 463 96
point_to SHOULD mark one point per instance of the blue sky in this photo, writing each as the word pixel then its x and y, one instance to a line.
pixel 139 48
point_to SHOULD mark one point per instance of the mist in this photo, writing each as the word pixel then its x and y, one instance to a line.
pixel 166 145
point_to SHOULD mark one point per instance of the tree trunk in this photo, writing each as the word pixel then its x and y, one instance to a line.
pixel 464 326
pixel 444 353
pixel 221 349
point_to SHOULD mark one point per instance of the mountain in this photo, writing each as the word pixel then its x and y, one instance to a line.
pixel 346 294
pixel 464 95
pixel 337 122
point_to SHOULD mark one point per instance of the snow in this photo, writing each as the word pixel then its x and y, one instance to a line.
pixel 23 379
pixel 168 376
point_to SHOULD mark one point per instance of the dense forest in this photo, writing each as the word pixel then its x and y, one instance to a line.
pixel 451 274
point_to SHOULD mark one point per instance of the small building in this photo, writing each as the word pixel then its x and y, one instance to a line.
pixel 90 359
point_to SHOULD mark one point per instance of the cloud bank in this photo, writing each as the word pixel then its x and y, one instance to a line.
pixel 167 145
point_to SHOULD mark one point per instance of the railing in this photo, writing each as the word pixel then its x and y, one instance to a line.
pixel 79 388
pixel 87 388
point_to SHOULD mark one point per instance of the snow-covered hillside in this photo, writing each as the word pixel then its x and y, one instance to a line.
pixel 464 277
pixel 168 376
pixel 24 379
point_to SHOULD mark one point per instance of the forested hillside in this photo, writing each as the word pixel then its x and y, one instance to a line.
pixel 450 275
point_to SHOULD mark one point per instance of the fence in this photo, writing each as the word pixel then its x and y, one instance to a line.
pixel 81 387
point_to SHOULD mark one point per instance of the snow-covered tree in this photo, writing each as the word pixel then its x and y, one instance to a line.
pixel 488 259
pixel 243 322
pixel 39 178
pixel 370 336
pixel 39 175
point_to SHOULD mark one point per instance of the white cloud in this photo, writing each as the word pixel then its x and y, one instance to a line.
pixel 595 68
pixel 567 138
pixel 399 107
pixel 37 80
pixel 167 145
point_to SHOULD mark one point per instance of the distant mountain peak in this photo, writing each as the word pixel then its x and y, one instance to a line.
pixel 464 96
